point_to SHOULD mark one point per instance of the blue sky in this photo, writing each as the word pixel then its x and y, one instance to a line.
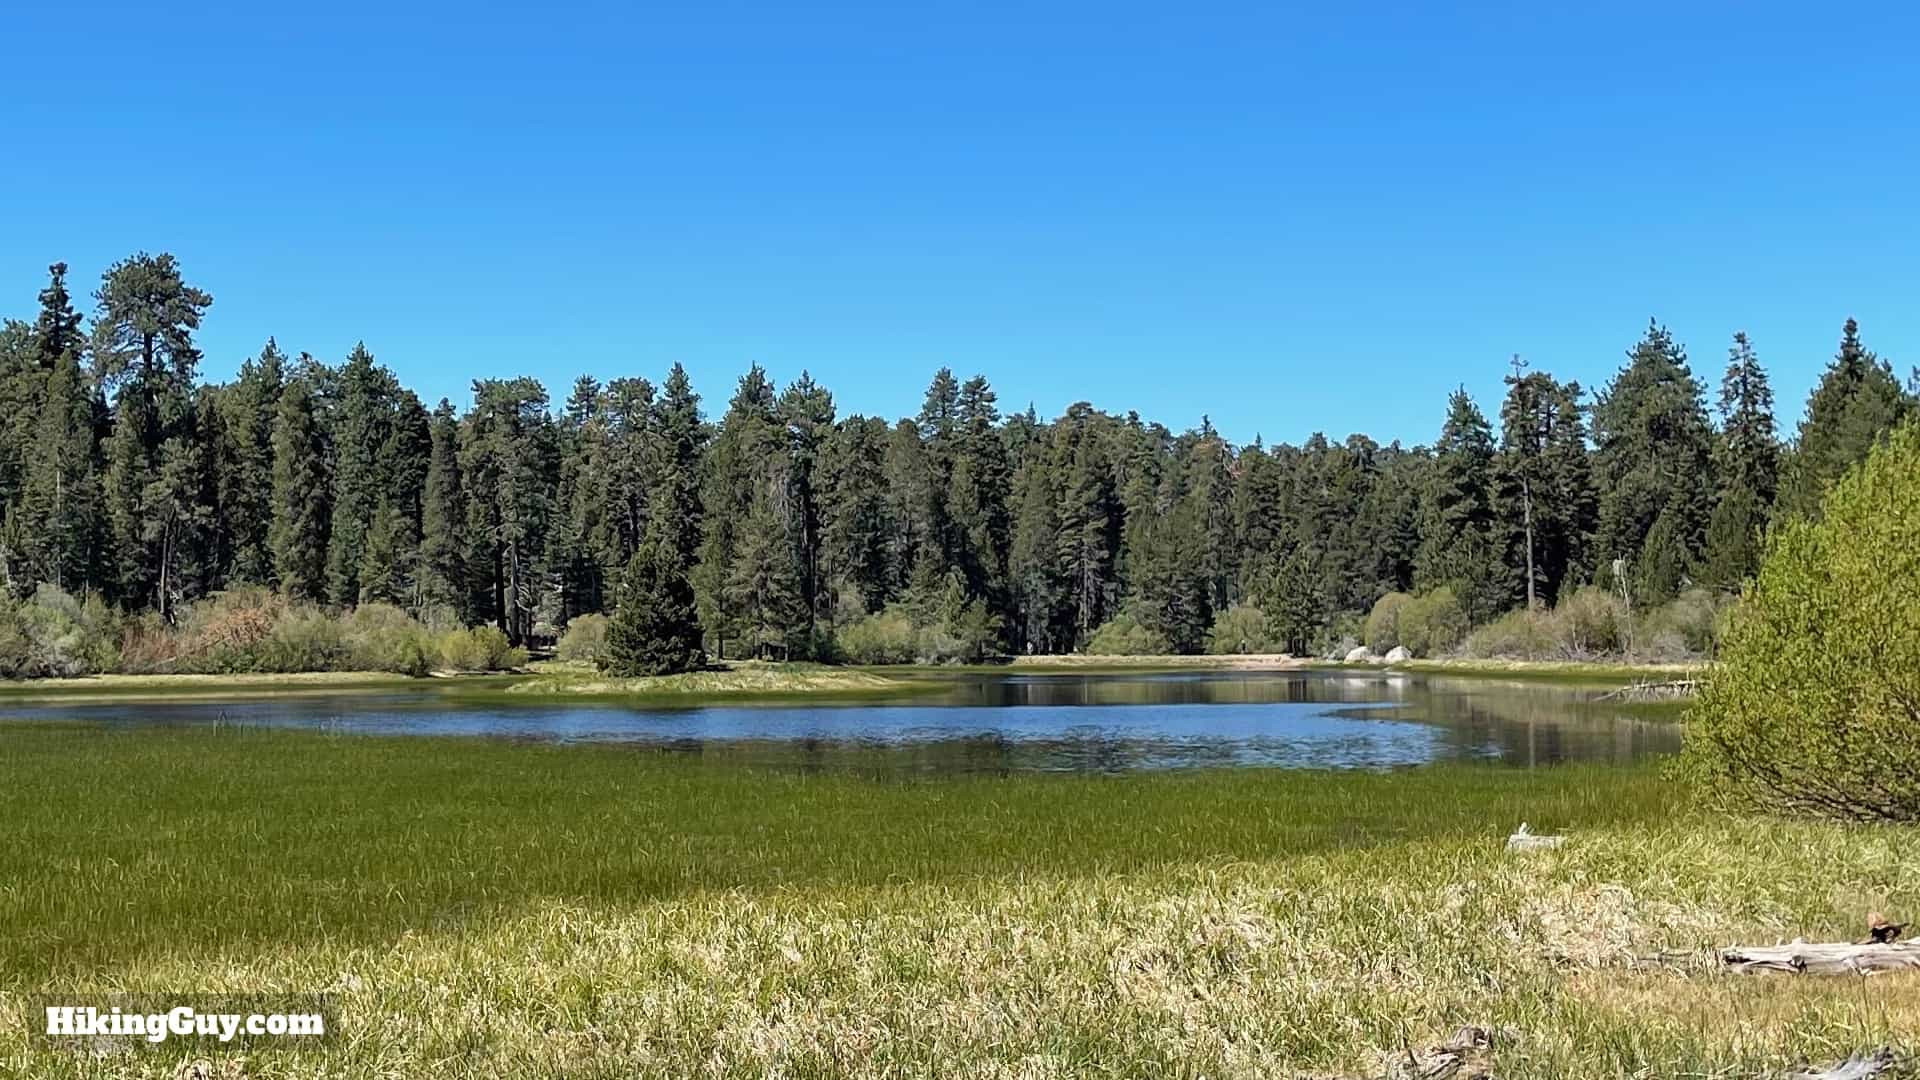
pixel 1290 218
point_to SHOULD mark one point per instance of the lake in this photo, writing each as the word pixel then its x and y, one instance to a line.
pixel 1004 722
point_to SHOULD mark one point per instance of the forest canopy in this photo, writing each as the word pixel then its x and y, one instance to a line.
pixel 958 532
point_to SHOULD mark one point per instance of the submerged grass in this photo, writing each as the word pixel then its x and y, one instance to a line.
pixel 489 909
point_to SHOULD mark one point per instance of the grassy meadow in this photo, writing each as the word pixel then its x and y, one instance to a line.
pixel 483 909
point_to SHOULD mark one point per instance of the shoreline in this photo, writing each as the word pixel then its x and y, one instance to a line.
pixel 769 681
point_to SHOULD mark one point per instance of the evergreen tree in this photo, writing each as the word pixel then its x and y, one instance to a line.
pixel 1858 400
pixel 749 441
pixel 361 422
pixel 1458 549
pixel 1652 458
pixel 655 629
pixel 297 532
pixel 1543 489
pixel 143 343
pixel 1748 468
pixel 857 524
pixel 508 463
pixel 443 566
pixel 246 502
pixel 61 503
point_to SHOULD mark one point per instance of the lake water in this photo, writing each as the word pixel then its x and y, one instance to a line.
pixel 997 723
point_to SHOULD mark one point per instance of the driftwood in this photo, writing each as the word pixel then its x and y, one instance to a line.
pixel 1832 958
pixel 1653 691
pixel 1858 1067
pixel 1523 839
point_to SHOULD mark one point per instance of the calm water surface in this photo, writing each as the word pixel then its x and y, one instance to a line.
pixel 977 723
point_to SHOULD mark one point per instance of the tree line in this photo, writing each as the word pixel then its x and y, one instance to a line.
pixel 787 526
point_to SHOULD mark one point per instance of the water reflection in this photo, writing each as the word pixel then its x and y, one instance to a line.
pixel 1003 723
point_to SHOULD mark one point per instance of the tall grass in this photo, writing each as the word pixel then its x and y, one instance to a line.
pixel 484 909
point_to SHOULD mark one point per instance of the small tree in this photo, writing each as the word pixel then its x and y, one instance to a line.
pixel 1816 702
pixel 656 630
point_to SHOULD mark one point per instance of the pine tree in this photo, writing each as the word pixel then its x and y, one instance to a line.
pixel 1457 547
pixel 749 441
pixel 806 411
pixel 247 499
pixel 61 503
pixel 143 344
pixel 857 525
pixel 1543 492
pixel 1857 402
pixel 763 583
pixel 1748 468
pixel 1653 458
pixel 361 422
pixel 508 463
pixel 655 629
pixel 443 569
pixel 301 510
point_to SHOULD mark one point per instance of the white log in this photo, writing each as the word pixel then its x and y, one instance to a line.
pixel 1832 958
pixel 1523 839
pixel 1858 1067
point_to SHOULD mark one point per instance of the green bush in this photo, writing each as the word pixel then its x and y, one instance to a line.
pixel 1241 629
pixel 1381 631
pixel 1517 635
pixel 885 637
pixel 1815 704
pixel 1590 622
pixel 304 639
pixel 1690 624
pixel 1123 635
pixel 1432 623
pixel 381 637
pixel 585 639
pixel 63 636
pixel 480 648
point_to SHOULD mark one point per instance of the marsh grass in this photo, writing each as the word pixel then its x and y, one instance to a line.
pixel 493 909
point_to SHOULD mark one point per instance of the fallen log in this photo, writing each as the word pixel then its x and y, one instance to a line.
pixel 1858 1067
pixel 1833 958
pixel 1524 839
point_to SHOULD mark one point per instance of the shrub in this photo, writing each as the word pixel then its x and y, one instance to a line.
pixel 1241 629
pixel 1517 635
pixel 1381 631
pixel 1691 622
pixel 381 637
pixel 885 637
pixel 585 639
pixel 1590 621
pixel 480 648
pixel 65 636
pixel 1815 703
pixel 1123 635
pixel 304 639
pixel 1432 623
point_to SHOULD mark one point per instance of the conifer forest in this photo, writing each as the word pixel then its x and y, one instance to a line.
pixel 967 530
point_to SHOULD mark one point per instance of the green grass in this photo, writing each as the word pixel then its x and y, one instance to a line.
pixel 484 908
pixel 1596 672
pixel 733 680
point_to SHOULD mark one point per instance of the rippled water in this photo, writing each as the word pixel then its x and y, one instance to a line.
pixel 1006 722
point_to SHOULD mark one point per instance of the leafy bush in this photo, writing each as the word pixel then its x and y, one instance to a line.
pixel 1590 622
pixel 55 635
pixel 1123 635
pixel 1517 635
pixel 585 639
pixel 885 637
pixel 1690 623
pixel 1381 631
pixel 1432 623
pixel 1240 629
pixel 1816 701
pixel 305 639
pixel 480 648
pixel 381 637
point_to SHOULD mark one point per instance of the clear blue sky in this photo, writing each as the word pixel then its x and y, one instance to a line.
pixel 1294 220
